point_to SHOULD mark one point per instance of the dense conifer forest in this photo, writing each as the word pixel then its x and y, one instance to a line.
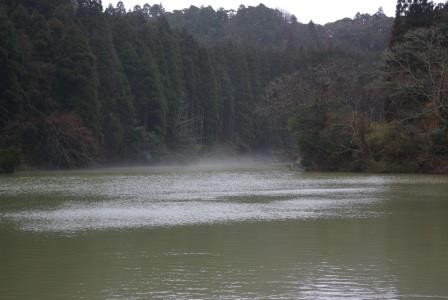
pixel 81 83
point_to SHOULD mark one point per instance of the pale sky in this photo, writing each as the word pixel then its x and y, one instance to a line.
pixel 320 11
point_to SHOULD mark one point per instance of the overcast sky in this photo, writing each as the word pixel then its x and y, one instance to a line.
pixel 320 11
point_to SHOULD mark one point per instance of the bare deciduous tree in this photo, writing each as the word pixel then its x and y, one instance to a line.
pixel 418 74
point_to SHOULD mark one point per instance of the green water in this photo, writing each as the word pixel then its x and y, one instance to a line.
pixel 222 232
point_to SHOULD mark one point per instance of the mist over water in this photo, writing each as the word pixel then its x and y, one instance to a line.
pixel 211 191
pixel 246 228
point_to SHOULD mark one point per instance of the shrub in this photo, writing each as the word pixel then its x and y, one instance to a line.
pixel 398 148
pixel 440 140
pixel 9 159
pixel 59 141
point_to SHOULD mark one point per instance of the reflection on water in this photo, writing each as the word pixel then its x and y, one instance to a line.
pixel 238 233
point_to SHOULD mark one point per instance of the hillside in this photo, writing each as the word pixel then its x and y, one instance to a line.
pixel 81 84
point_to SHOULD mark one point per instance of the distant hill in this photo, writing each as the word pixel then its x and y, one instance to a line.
pixel 272 28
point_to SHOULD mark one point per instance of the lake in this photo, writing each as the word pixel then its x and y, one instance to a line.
pixel 222 231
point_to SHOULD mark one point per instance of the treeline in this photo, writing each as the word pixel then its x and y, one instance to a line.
pixel 274 29
pixel 80 83
pixel 389 116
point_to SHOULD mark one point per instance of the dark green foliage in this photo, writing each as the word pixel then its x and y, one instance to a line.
pixel 9 160
pixel 79 84
pixel 208 97
pixel 76 78
pixel 412 14
pixel 9 59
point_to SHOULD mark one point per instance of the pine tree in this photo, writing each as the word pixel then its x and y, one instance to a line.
pixel 77 82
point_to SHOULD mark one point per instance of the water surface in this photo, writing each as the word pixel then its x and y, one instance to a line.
pixel 238 232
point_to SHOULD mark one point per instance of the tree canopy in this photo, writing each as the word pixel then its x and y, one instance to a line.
pixel 80 83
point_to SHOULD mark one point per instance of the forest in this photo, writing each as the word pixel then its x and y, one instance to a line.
pixel 82 84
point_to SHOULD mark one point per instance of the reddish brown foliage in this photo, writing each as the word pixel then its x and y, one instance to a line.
pixel 66 142
pixel 59 141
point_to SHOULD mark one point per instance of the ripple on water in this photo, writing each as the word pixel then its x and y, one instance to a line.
pixel 121 202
